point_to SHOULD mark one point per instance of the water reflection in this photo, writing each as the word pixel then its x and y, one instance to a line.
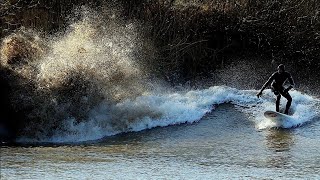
pixel 279 141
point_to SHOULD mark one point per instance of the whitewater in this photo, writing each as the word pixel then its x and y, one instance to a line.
pixel 149 111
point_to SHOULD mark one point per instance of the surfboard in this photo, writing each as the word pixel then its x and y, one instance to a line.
pixel 276 116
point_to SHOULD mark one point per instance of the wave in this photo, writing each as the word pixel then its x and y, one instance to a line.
pixel 149 111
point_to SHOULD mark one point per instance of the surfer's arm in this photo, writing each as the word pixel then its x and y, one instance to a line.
pixel 290 79
pixel 271 78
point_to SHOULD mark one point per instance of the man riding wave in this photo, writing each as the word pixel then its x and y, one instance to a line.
pixel 277 80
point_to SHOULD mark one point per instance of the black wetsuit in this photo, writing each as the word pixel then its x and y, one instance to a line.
pixel 278 79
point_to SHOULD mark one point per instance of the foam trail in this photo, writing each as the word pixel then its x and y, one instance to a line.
pixel 149 111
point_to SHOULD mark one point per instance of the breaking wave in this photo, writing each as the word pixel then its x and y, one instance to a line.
pixel 94 81
pixel 149 111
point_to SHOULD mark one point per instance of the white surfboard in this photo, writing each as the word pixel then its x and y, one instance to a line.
pixel 277 117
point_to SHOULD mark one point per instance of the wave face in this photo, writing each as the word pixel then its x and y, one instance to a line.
pixel 95 80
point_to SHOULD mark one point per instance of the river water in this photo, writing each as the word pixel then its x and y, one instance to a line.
pixel 224 144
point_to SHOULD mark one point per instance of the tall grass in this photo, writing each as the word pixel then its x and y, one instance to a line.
pixel 195 35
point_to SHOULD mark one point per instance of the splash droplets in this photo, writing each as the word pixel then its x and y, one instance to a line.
pixel 96 60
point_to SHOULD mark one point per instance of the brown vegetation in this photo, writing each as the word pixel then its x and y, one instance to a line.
pixel 200 36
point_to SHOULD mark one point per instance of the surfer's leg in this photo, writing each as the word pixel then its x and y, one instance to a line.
pixel 276 92
pixel 278 103
pixel 289 98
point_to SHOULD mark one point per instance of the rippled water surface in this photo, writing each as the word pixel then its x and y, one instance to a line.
pixel 223 144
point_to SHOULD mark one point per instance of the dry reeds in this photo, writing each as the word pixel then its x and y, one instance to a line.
pixel 193 34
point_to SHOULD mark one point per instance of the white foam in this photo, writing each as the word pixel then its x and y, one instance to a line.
pixel 155 110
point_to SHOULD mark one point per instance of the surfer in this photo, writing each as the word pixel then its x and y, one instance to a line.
pixel 277 80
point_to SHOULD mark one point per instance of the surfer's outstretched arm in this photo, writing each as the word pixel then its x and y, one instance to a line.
pixel 271 78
